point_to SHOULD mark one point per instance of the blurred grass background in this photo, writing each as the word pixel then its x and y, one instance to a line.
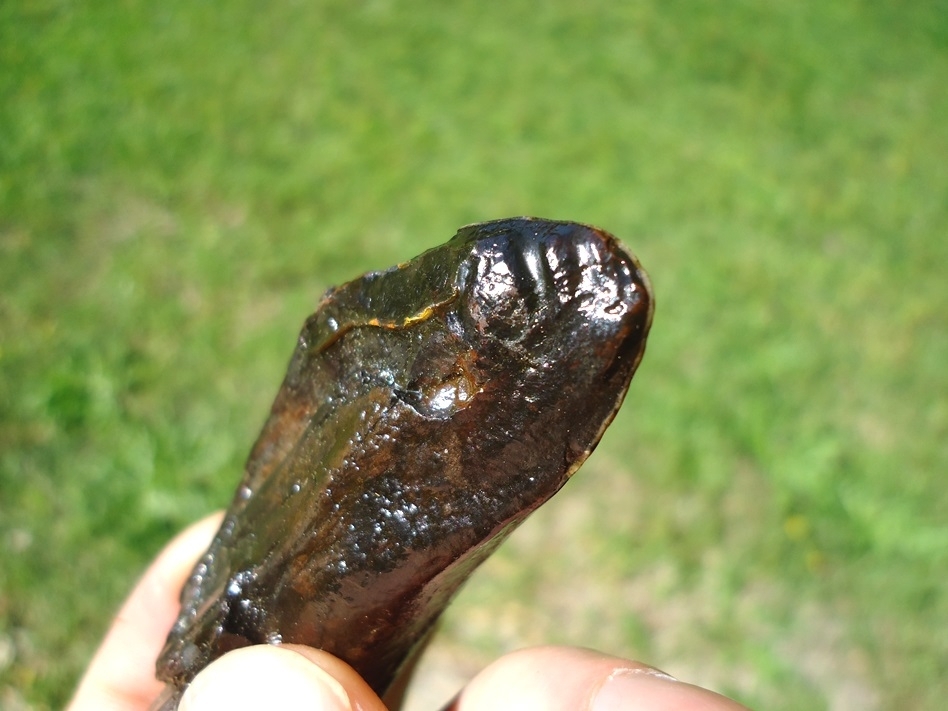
pixel 179 182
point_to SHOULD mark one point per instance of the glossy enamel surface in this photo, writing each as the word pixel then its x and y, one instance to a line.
pixel 426 411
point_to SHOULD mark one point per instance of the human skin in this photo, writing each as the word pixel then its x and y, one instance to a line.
pixel 121 674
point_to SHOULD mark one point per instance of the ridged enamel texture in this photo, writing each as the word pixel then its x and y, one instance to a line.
pixel 426 411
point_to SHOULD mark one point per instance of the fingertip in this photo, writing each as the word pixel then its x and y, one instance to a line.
pixel 638 689
pixel 360 693
pixel 278 677
pixel 549 678
pixel 570 678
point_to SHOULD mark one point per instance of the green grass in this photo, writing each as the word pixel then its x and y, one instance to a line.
pixel 180 181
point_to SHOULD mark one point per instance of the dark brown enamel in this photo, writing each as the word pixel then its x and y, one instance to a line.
pixel 426 411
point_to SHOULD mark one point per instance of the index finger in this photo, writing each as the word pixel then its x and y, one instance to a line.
pixel 121 676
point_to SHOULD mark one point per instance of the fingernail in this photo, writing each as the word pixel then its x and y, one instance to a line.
pixel 630 689
pixel 264 676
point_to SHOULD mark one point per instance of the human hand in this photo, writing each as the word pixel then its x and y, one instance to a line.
pixel 121 675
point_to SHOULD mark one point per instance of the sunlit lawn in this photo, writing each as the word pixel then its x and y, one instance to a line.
pixel 180 181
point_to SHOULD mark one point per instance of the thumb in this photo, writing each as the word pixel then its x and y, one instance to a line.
pixel 279 677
